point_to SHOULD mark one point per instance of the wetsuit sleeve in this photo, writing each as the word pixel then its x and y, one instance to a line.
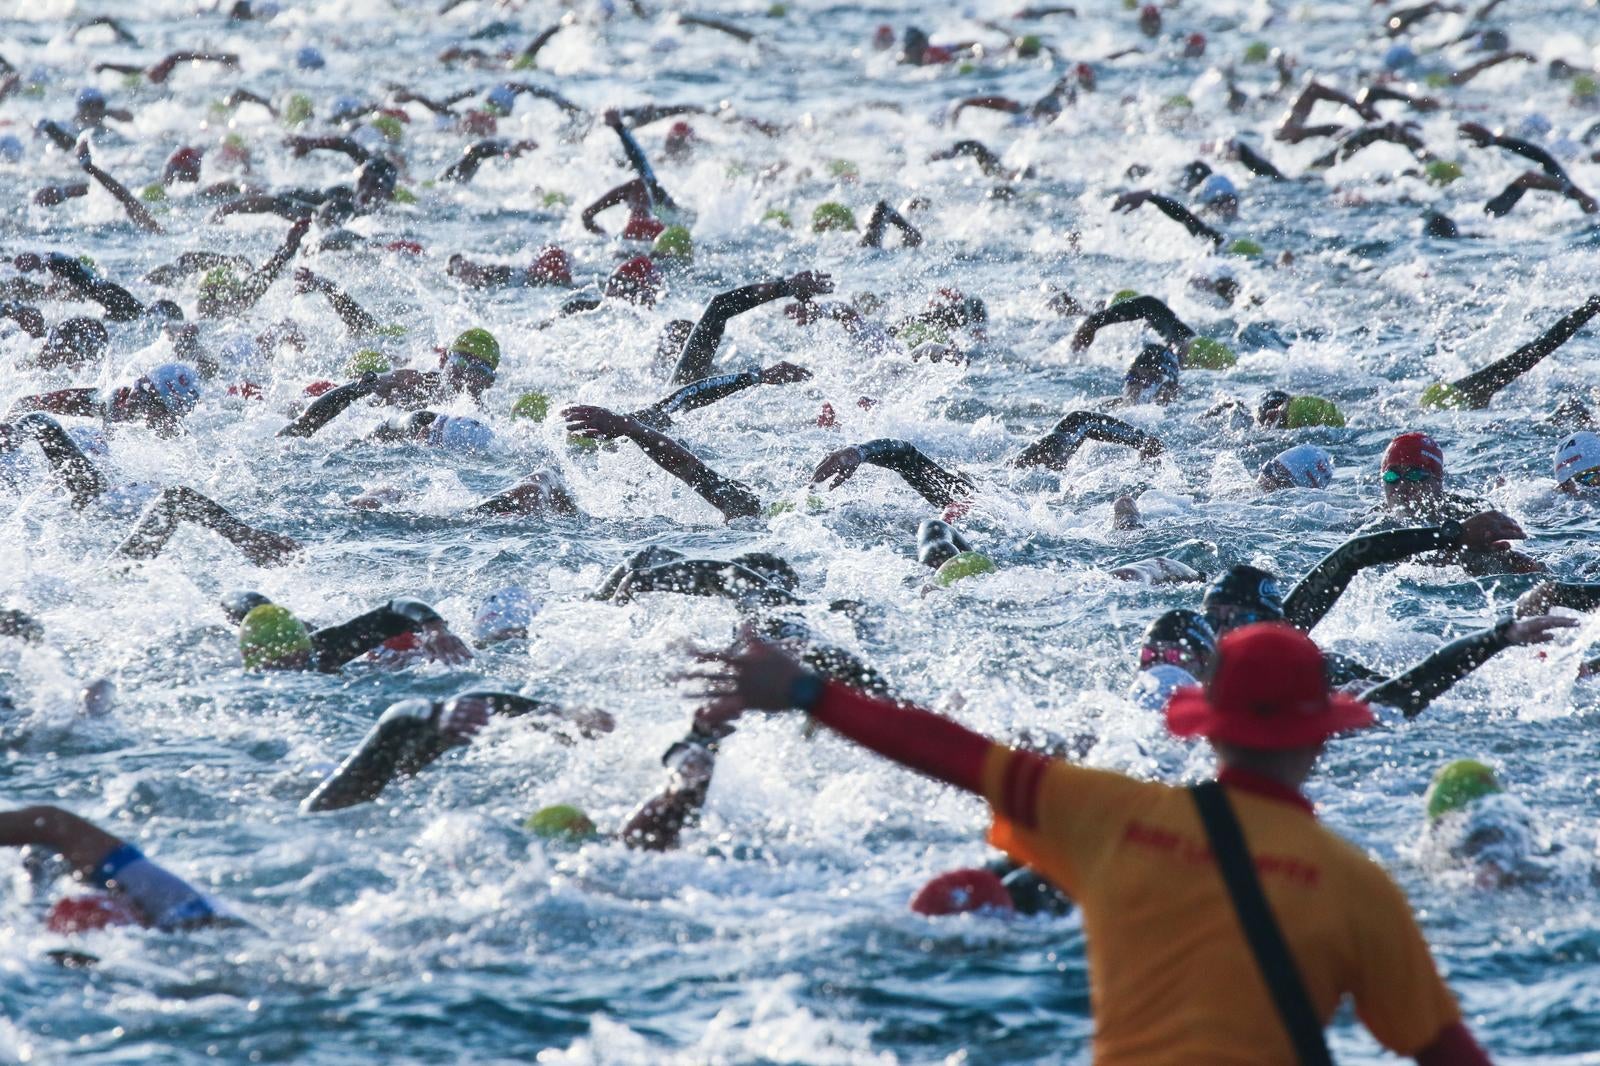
pixel 695 395
pixel 1059 445
pixel 328 406
pixel 1574 595
pixel 1479 388
pixel 404 741
pixel 1419 686
pixel 730 497
pixel 1398 993
pixel 641 166
pixel 1314 595
pixel 119 303
pixel 706 337
pixel 1529 150
pixel 1256 163
pixel 78 403
pixel 710 577
pixel 1146 309
pixel 69 463
pixel 1186 218
pixel 334 646
pixel 931 481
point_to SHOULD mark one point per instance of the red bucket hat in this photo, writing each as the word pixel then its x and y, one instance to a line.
pixel 1269 691
pixel 1414 451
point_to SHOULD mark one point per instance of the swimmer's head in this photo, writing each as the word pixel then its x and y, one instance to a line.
pixel 309 57
pixel 1273 408
pixel 963 892
pixel 832 215
pixel 638 281
pixel 1305 466
pixel 1152 377
pixel 1412 470
pixel 471 361
pixel 1179 638
pixel 965 565
pixel 552 266
pixel 90 106
pixel 458 433
pixel 1577 464
pixel 772 567
pixel 1242 595
pixel 504 615
pixel 367 361
pixel 183 165
pixel 176 385
pixel 74 343
pixel 1457 786
pixel 1218 194
pixel 377 181
pixel 238 604
pixel 674 242
pixel 272 638
pixel 560 822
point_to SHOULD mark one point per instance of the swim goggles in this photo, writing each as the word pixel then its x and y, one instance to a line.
pixel 1588 478
pixel 1415 473
pixel 1175 656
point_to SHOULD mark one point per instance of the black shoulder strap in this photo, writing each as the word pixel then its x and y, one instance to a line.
pixel 1260 927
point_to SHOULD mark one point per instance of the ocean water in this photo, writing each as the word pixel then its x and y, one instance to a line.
pixel 429 927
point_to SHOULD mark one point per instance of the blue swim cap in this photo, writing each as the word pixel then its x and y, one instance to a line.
pixel 1398 57
pixel 506 613
pixel 345 107
pixel 309 58
pixel 89 95
pixel 459 433
pixel 502 98
pixel 177 385
pixel 10 148
pixel 1217 187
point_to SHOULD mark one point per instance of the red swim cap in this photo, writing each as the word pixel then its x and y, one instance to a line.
pixel 681 129
pixel 643 228
pixel 827 419
pixel 182 165
pixel 408 247
pixel 641 269
pixel 961 892
pixel 82 914
pixel 1414 451
pixel 553 264
pixel 317 388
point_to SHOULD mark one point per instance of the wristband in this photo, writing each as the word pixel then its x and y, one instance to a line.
pixel 1450 529
pixel 805 692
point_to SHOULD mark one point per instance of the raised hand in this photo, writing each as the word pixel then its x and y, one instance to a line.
pixel 840 466
pixel 1539 630
pixel 444 646
pixel 596 423
pixel 810 283
pixel 1490 531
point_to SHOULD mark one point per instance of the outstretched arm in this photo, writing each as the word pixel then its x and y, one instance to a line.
pixel 1419 686
pixel 1129 202
pixel 333 646
pixel 256 285
pixel 1059 445
pixel 1254 161
pixel 1293 128
pixel 356 319
pixel 931 481
pixel 1482 137
pixel 79 476
pixel 120 304
pixel 1466 74
pixel 1573 595
pixel 409 736
pixel 330 405
pixel 730 497
pixel 1506 200
pixel 300 147
pixel 883 216
pixel 465 169
pixel 637 160
pixel 130 203
pixel 1145 309
pixel 163 70
pixel 706 337
pixel 707 391
pixel 1479 388
pixel 659 822
pixel 176 505
pixel 704 577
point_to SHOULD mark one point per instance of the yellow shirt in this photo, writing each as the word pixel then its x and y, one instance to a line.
pixel 1172 978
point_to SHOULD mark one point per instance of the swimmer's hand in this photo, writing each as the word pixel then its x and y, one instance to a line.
pixel 1541 630
pixel 1490 531
pixel 1476 133
pixel 1129 202
pixel 269 549
pixel 305 281
pixel 810 283
pixel 784 373
pixel 463 718
pixel 840 466
pixel 444 646
pixel 595 423
pixel 753 676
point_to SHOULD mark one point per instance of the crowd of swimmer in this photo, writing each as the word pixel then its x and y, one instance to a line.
pixel 73 310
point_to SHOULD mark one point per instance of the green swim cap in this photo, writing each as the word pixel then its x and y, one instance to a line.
pixel 1442 396
pixel 582 444
pixel 1178 102
pixel 479 344
pixel 556 199
pixel 777 11
pixel 367 361
pixel 780 216
pixel 222 284
pixel 832 215
pixel 921 333
pixel 270 633
pixel 297 110
pixel 1207 354
pixel 531 405
pixel 390 329
pixel 153 193
pixel 1246 247
pixel 1257 52
pixel 1306 411
pixel 1123 294
pixel 389 126
pixel 403 195
pixel 1585 86
pixel 1458 785
pixel 843 168
pixel 1442 172
pixel 1028 45
pixel 674 243
pixel 562 821
pixel 967 564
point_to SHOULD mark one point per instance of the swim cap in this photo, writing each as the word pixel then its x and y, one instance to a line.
pixel 560 822
pixel 344 106
pixel 1578 453
pixel 367 361
pixel 531 405
pixel 307 57
pixel 674 243
pixel 1303 411
pixel 238 604
pixel 774 568
pixel 1441 396
pixel 552 265
pixel 84 914
pixel 221 285
pixel 1217 187
pixel 1249 587
pixel 270 633
pixel 297 110
pixel 1207 354
pixel 1246 247
pixel 89 97
pixel 916 334
pixel 1458 785
pixel 459 433
pixel 391 128
pixel 778 215
pixel 1152 687
pixel 504 615
pixel 643 228
pixel 1304 466
pixel 1257 52
pixel 1442 171
pixel 1273 401
pixel 478 344
pixel 74 341
pixel 501 100
pixel 637 280
pixel 1183 627
pixel 967 564
pixel 153 193
pixel 962 892
pixel 1121 295
pixel 1154 365
pixel 831 216
pixel 1398 57
pixel 1414 451
pixel 177 385
pixel 10 148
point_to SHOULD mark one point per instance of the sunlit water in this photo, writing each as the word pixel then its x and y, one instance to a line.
pixel 429 927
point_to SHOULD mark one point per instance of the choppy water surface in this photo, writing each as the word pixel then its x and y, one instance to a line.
pixel 429 927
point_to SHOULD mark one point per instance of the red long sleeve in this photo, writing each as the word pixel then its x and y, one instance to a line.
pixel 1454 1046
pixel 910 736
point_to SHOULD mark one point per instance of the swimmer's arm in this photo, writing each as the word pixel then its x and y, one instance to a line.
pixel 1479 388
pixel 659 822
pixel 77 403
pixel 1293 128
pixel 884 216
pixel 1419 686
pixel 82 844
pixel 931 481
pixel 256 285
pixel 706 337
pixel 1130 201
pixel 638 160
pixel 1314 595
pixel 709 577
pixel 30 318
pixel 1255 162
pixel 635 117
pixel 333 646
pixel 1367 136
pixel 1573 595
pixel 538 92
pixel 1483 137
pixel 300 147
pixel 987 161
pixel 130 203
pixel 120 304
pixel 626 193
pixel 730 497
pixel 52 195
pixel 1059 445
pixel 1466 74
pixel 1454 1044
pixel 988 103
pixel 163 70
pixel 403 743
pixel 330 405
pixel 82 480
pixel 179 504
pixel 1146 309
pixel 356 318
pixel 707 391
